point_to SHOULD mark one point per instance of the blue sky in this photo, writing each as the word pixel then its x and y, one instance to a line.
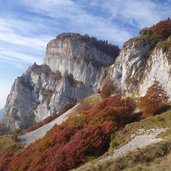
pixel 26 26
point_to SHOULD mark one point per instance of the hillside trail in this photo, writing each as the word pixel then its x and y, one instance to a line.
pixel 31 137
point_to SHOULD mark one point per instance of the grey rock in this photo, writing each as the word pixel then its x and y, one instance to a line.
pixel 139 64
pixel 73 68
pixel 76 66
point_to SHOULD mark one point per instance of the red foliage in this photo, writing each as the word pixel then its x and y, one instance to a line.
pixel 91 141
pixel 107 89
pixel 163 28
pixel 5 159
pixel 65 147
pixel 42 153
pixel 40 124
pixel 154 100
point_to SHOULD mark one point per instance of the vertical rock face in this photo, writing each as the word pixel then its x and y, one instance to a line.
pixel 158 68
pixel 73 68
pixel 80 56
pixel 130 64
pixel 76 66
pixel 139 64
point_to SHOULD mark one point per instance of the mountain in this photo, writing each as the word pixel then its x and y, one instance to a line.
pixel 75 66
pixel 1 114
pixel 117 128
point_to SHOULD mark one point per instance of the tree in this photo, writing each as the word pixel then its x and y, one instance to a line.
pixel 154 101
pixel 107 89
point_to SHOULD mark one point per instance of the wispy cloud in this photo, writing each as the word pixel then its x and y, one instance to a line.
pixel 78 19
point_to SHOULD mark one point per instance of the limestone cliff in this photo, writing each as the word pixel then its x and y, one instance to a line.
pixel 73 68
pixel 143 60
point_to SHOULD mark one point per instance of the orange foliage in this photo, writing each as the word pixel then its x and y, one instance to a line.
pixel 5 159
pixel 68 145
pixel 154 100
pixel 160 30
pixel 163 28
pixel 107 89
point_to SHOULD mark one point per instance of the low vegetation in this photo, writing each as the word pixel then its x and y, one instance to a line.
pixel 155 101
pixel 153 157
pixel 8 147
pixel 69 145
pixel 96 126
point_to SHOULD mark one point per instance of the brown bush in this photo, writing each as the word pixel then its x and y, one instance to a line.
pixel 107 89
pixel 65 108
pixel 155 100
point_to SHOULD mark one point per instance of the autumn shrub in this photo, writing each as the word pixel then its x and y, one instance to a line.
pixel 114 109
pixel 107 89
pixel 91 141
pixel 65 108
pixel 161 30
pixel 5 159
pixel 78 122
pixel 81 138
pixel 42 153
pixel 155 101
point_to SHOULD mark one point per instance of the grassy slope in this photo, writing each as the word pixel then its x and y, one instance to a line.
pixel 153 157
pixel 8 143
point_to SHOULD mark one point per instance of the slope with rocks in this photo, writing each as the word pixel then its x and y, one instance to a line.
pixel 85 104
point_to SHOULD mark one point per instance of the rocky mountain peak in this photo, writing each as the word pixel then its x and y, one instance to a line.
pixel 77 65
pixel 73 68
pixel 101 45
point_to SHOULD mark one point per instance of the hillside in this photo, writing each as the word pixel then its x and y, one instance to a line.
pixel 115 103
pixel 87 103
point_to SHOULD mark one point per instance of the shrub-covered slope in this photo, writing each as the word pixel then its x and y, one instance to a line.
pixel 81 138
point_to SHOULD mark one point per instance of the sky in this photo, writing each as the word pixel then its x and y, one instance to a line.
pixel 26 26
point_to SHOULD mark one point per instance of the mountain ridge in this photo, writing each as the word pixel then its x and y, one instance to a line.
pixel 75 66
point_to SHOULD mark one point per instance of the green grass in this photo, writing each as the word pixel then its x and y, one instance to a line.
pixel 166 46
pixel 123 136
pixel 153 157
pixel 8 143
pixel 86 104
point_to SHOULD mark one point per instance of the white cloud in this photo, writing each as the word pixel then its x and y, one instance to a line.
pixel 137 13
pixel 18 57
pixel 79 20
pixel 11 29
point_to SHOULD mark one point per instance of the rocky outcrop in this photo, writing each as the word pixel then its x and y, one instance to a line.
pixel 140 63
pixel 73 68
pixel 158 68
pixel 130 64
